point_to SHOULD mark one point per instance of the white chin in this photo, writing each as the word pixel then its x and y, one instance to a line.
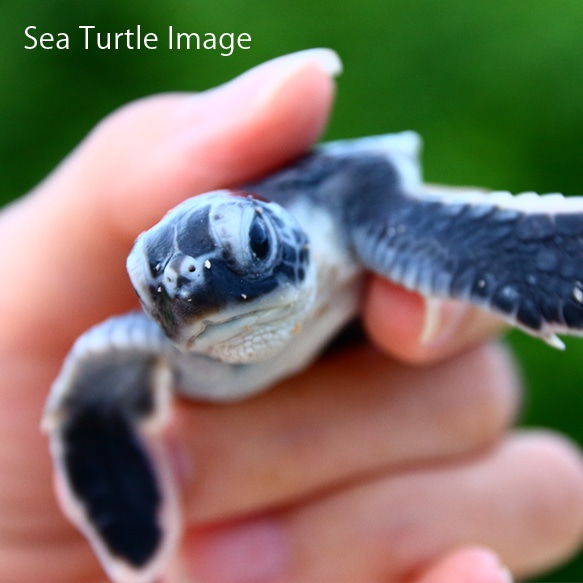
pixel 242 340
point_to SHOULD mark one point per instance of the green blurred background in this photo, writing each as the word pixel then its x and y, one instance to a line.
pixel 495 89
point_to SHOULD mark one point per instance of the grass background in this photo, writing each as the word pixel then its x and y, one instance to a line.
pixel 495 89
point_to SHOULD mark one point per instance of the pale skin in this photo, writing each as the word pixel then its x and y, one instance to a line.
pixel 392 463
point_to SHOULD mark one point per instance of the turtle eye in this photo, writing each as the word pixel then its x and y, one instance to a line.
pixel 259 238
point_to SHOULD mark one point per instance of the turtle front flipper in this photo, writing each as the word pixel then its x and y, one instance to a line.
pixel 106 417
pixel 518 256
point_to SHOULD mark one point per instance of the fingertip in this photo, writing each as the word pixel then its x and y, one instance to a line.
pixel 423 330
pixel 558 509
pixel 468 565
pixel 287 112
pixel 394 318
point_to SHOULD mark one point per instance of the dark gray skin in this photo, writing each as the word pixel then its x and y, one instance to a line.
pixel 251 291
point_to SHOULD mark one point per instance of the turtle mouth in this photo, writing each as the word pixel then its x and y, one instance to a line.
pixel 210 332
pixel 244 338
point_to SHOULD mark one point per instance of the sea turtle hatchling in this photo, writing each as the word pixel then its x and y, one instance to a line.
pixel 243 288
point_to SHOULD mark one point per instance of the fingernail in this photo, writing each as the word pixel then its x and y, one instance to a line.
pixel 325 59
pixel 263 83
pixel 489 569
pixel 442 321
pixel 287 66
pixel 505 575
pixel 244 553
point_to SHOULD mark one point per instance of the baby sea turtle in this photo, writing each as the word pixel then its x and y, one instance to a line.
pixel 243 288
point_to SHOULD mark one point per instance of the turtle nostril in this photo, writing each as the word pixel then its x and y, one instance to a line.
pixel 179 273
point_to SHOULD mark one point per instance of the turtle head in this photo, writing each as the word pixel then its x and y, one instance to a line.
pixel 225 273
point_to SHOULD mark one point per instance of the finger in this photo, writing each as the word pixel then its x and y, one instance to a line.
pixel 469 565
pixel 423 330
pixel 524 500
pixel 353 414
pixel 65 249
pixel 74 232
pixel 36 542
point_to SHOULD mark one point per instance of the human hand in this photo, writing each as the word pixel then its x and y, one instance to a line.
pixel 362 468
